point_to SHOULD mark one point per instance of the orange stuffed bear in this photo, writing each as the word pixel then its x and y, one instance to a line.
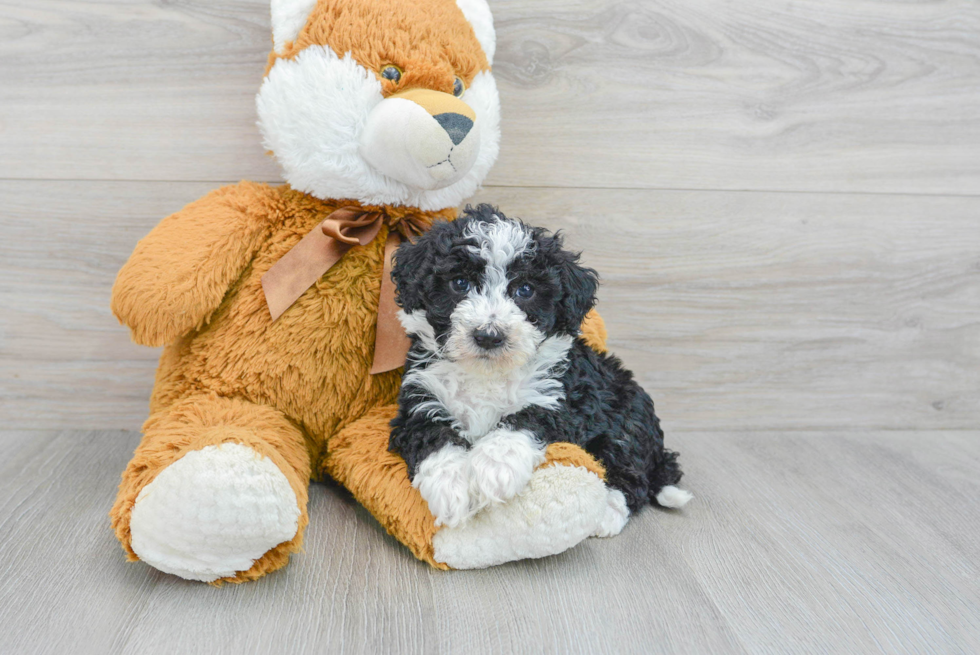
pixel 388 107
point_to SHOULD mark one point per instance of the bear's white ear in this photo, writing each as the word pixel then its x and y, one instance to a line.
pixel 288 18
pixel 478 14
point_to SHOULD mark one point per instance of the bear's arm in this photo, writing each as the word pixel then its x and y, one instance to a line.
pixel 180 272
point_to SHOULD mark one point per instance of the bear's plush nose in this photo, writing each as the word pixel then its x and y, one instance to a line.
pixel 489 339
pixel 456 125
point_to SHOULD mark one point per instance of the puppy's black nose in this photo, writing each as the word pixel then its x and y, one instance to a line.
pixel 488 339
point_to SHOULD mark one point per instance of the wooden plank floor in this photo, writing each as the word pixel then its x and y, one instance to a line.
pixel 797 542
pixel 783 199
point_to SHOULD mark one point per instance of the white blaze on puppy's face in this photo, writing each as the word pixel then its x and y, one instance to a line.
pixel 488 306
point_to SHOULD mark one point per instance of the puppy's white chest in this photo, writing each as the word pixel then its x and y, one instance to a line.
pixel 476 402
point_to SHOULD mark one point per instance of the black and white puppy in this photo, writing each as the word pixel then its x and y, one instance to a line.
pixel 496 371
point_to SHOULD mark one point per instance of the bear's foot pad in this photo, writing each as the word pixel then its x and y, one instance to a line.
pixel 561 506
pixel 213 512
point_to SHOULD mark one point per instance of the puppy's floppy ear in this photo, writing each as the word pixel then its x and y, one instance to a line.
pixel 409 269
pixel 578 290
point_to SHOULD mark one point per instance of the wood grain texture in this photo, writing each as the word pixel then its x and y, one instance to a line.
pixel 736 310
pixel 818 95
pixel 822 542
pixel 849 534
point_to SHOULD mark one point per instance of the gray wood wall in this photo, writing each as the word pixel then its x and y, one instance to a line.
pixel 783 198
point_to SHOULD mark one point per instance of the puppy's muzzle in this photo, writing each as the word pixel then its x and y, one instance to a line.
pixel 489 339
pixel 423 138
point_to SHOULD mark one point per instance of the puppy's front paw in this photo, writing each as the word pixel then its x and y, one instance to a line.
pixel 443 481
pixel 501 464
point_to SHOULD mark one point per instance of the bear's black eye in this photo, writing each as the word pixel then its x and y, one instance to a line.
pixel 391 73
pixel 460 285
pixel 458 87
pixel 524 291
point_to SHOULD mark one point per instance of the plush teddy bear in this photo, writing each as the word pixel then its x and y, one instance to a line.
pixel 281 360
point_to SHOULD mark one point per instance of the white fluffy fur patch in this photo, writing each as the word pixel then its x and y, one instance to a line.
pixel 501 463
pixel 498 244
pixel 443 480
pixel 417 324
pixel 475 400
pixel 493 309
pixel 560 507
pixel 674 497
pixel 213 512
pixel 312 111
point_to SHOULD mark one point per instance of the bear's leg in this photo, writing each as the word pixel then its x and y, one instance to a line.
pixel 564 503
pixel 216 490
pixel 594 332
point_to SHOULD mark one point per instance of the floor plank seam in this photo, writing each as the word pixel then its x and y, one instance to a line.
pixel 824 192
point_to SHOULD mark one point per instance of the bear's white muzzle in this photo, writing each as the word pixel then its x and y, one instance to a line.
pixel 423 138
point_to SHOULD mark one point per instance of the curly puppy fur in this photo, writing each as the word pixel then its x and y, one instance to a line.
pixel 497 371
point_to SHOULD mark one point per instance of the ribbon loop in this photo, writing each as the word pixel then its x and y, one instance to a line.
pixel 352 226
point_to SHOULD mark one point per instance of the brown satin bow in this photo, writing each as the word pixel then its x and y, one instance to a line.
pixel 308 260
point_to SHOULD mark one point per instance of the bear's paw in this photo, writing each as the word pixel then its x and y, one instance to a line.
pixel 213 512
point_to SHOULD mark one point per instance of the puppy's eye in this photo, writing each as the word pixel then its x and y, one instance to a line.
pixel 460 285
pixel 392 73
pixel 458 87
pixel 524 291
